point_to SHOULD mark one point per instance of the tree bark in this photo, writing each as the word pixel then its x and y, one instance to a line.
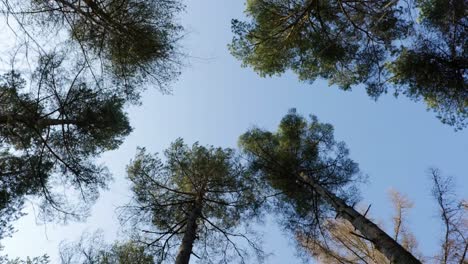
pixel 393 251
pixel 190 234
pixel 44 122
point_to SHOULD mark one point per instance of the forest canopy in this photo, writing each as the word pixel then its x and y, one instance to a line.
pixel 416 48
pixel 73 76
pixel 72 69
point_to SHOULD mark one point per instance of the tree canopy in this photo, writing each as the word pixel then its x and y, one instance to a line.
pixel 304 148
pixel 412 47
pixel 194 201
pixel 51 136
pixel 315 180
pixel 91 249
pixel 74 67
pixel 119 44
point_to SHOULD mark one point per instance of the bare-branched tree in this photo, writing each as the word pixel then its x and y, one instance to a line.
pixel 343 246
pixel 454 216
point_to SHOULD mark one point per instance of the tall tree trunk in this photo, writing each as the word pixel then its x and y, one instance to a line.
pixel 393 251
pixel 190 234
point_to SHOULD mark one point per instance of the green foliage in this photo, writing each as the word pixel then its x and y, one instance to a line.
pixel 19 177
pixel 423 73
pixel 374 43
pixel 52 136
pixel 128 252
pixel 318 39
pixel 121 45
pixel 301 148
pixel 90 58
pixel 165 193
pixel 100 120
pixel 131 35
pixel 434 67
pixel 91 249
pixel 36 260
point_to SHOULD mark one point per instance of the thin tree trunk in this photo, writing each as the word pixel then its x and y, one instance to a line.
pixel 190 234
pixel 56 122
pixel 44 122
pixel 393 251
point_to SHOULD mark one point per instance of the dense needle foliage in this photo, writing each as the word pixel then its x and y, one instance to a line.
pixel 51 136
pixel 417 48
pixel 195 200
pixel 301 148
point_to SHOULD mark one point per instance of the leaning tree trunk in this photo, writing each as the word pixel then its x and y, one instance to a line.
pixel 370 231
pixel 190 234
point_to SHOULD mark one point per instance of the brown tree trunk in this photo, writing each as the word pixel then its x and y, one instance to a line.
pixel 393 251
pixel 190 234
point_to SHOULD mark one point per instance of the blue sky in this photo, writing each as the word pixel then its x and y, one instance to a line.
pixel 395 141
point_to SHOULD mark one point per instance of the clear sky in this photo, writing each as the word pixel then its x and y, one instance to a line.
pixel 395 141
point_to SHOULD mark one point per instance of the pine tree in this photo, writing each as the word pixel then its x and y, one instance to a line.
pixel 417 48
pixel 123 45
pixel 195 201
pixel 315 180
pixel 50 137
